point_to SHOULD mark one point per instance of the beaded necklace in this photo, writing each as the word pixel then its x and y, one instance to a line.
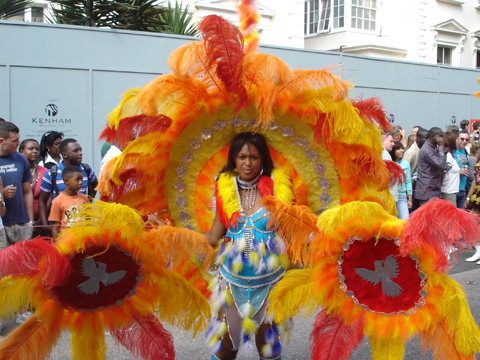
pixel 249 191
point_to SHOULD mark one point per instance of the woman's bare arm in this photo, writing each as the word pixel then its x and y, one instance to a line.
pixel 217 232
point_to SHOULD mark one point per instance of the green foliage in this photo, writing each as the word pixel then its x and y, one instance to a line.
pixel 178 21
pixel 82 12
pixel 142 15
pixel 10 8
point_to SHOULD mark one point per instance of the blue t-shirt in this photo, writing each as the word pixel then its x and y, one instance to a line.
pixel 47 186
pixel 462 160
pixel 15 169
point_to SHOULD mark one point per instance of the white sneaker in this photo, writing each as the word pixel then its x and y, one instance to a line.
pixel 474 257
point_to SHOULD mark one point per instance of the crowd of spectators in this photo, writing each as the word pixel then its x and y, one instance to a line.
pixel 41 186
pixel 437 164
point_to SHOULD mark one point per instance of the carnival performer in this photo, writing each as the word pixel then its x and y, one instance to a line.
pixel 250 260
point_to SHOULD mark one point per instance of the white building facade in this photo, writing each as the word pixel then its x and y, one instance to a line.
pixel 444 32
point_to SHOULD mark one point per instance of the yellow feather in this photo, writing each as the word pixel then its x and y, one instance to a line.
pixel 226 189
pixel 293 294
pixel 248 326
pixel 128 107
pixel 87 337
pixel 459 318
pixel 115 217
pixel 180 304
pixel 282 186
pixel 14 294
pixel 391 349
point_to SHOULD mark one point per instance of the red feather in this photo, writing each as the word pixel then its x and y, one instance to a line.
pixel 145 338
pixel 224 47
pixel 332 339
pixel 372 110
pixel 396 173
pixel 23 258
pixel 129 180
pixel 321 132
pixel 134 127
pixel 265 186
pixel 441 225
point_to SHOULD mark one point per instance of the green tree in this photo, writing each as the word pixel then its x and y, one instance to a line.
pixel 82 12
pixel 140 15
pixel 178 21
pixel 10 8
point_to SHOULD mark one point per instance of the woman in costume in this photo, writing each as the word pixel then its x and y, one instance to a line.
pixel 250 259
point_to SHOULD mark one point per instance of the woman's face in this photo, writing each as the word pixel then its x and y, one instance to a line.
pixel 53 149
pixel 248 162
pixel 399 153
pixel 31 151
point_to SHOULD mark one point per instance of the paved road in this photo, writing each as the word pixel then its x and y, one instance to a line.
pixel 298 348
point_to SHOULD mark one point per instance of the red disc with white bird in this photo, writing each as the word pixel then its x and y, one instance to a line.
pixel 100 278
pixel 379 279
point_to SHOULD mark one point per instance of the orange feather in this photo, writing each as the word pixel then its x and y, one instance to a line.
pixel 31 340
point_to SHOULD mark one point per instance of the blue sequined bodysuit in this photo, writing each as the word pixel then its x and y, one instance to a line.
pixel 258 271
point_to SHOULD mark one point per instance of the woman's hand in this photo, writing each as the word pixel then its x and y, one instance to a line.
pixel 409 204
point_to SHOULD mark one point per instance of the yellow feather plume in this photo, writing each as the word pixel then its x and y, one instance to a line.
pixel 32 340
pixel 88 337
pixel 128 106
pixel 180 303
pixel 226 189
pixel 249 326
pixel 293 294
pixel 282 186
pixel 459 318
pixel 115 217
pixel 14 294
pixel 391 349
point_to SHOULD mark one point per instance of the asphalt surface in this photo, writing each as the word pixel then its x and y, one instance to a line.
pixel 298 347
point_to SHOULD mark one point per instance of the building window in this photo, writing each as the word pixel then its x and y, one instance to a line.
pixel 444 55
pixel 364 14
pixel 37 14
pixel 319 16
pixel 478 58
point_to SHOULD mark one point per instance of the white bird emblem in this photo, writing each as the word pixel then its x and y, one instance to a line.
pixel 97 274
pixel 384 272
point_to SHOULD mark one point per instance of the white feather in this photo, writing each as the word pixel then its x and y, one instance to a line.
pixel 246 309
pixel 260 268
pixel 267 351
pixel 241 244
pixel 248 349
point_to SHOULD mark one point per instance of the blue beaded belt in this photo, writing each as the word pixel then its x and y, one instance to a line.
pixel 251 281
